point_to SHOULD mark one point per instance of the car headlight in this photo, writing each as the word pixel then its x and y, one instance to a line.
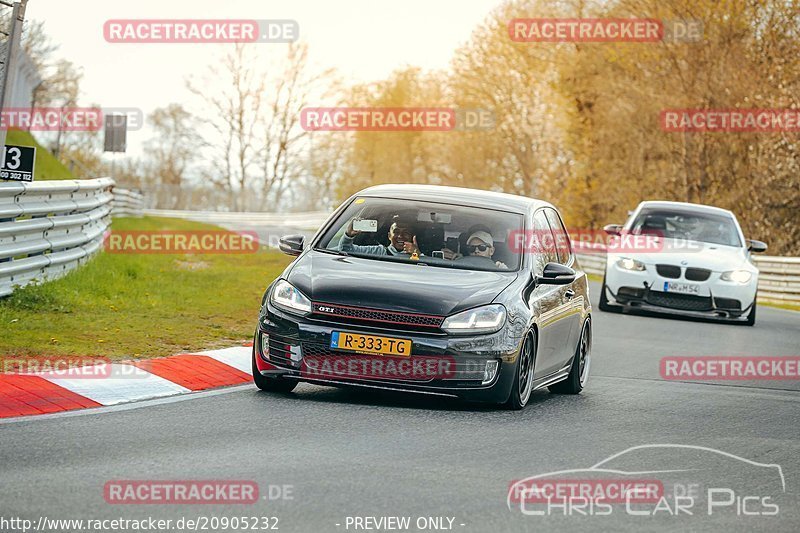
pixel 631 264
pixel 287 297
pixel 739 276
pixel 486 319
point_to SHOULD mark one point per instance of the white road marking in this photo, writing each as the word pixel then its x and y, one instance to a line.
pixel 125 384
pixel 239 357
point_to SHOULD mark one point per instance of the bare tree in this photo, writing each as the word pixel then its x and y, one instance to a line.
pixel 254 138
pixel 62 90
pixel 233 120
pixel 173 149
pixel 284 142
pixel 37 45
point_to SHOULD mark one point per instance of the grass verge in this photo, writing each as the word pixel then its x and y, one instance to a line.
pixel 141 305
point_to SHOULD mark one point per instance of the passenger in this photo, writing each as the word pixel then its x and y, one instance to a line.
pixel 402 240
pixel 481 244
pixel 447 253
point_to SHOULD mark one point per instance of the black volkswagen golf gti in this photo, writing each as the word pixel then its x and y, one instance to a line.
pixel 436 290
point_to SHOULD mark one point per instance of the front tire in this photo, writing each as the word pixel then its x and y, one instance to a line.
pixel 579 373
pixel 523 375
pixel 270 384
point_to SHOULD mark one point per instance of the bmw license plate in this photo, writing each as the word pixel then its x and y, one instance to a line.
pixel 683 288
pixel 355 342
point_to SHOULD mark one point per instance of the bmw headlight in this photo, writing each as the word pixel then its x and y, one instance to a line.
pixel 285 296
pixel 739 276
pixel 486 319
pixel 631 264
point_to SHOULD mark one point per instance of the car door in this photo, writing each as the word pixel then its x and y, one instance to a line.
pixel 571 296
pixel 546 301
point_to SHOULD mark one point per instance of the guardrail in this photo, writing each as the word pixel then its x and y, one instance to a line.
pixel 778 279
pixel 48 228
pixel 127 203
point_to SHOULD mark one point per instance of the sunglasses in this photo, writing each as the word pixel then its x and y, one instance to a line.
pixel 481 247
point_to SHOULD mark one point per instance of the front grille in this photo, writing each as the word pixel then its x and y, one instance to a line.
pixel 311 349
pixel 687 302
pixel 346 313
pixel 697 274
pixel 669 271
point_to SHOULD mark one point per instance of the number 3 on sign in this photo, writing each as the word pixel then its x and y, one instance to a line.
pixel 17 163
pixel 11 157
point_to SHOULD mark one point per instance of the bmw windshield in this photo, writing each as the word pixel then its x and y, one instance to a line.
pixel 686 225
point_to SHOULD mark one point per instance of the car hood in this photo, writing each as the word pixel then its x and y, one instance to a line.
pixel 715 257
pixel 402 287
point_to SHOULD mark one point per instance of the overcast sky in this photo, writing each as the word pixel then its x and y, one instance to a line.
pixel 363 39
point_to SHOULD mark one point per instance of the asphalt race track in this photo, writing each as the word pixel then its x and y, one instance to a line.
pixel 362 454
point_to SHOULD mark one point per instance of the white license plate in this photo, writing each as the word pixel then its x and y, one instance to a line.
pixel 683 288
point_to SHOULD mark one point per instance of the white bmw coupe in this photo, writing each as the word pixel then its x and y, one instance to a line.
pixel 681 258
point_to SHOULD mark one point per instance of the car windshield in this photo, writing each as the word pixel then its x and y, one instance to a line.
pixel 434 234
pixel 694 226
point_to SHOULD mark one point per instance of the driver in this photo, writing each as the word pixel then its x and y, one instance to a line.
pixel 402 240
pixel 481 244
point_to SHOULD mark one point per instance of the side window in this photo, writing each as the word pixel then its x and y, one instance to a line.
pixel 562 237
pixel 543 243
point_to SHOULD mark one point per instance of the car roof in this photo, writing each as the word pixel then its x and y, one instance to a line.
pixel 685 206
pixel 456 195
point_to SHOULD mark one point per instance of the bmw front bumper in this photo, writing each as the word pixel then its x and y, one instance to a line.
pixel 715 298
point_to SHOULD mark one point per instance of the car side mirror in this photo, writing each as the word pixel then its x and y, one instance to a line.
pixel 613 229
pixel 556 274
pixel 756 246
pixel 291 244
